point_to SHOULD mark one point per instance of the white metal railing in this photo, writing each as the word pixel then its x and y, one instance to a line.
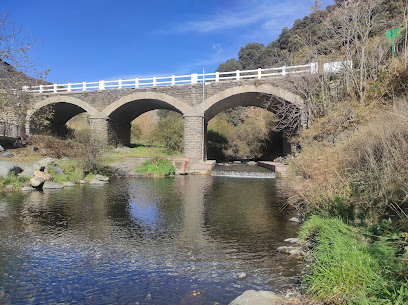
pixel 174 80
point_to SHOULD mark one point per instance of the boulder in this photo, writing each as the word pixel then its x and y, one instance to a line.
pixel 68 184
pixel 252 297
pixel 252 163
pixel 27 169
pixel 1 148
pixel 82 182
pixel 101 178
pixel 46 162
pixel 6 168
pixel 27 189
pixel 42 175
pixel 54 169
pixel 37 182
pixel 97 182
pixel 33 148
pixel 49 185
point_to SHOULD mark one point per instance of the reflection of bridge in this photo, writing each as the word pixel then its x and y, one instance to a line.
pixel 113 105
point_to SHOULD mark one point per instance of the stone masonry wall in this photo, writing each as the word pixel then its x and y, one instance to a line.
pixel 194 137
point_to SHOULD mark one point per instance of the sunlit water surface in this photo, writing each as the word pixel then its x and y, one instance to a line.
pixel 182 240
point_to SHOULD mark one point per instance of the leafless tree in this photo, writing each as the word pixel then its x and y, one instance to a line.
pixel 15 62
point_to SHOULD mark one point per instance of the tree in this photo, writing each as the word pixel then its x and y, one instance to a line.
pixel 15 61
pixel 250 55
pixel 230 65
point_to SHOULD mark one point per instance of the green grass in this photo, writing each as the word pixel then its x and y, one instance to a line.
pixel 350 267
pixel 156 166
pixel 142 150
pixel 13 182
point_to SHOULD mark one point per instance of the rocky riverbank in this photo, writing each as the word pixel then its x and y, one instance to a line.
pixel 44 174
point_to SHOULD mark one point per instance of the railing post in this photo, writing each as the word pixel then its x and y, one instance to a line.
pixel 55 88
pixel 194 78
pixel 41 88
pixel 217 76
pixel 154 81
pixel 136 83
pixel 120 84
pixel 259 73
pixel 237 74
pixel 283 70
pixel 69 87
pixel 173 80
pixel 314 67
pixel 101 85
pixel 84 86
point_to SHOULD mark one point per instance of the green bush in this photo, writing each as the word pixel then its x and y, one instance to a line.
pixel 156 166
pixel 170 133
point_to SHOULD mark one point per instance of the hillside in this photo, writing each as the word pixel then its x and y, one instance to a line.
pixel 351 171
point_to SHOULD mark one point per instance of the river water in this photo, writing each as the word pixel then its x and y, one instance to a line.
pixel 181 240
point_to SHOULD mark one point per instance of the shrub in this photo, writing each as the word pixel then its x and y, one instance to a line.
pixel 170 133
pixel 361 175
pixel 156 166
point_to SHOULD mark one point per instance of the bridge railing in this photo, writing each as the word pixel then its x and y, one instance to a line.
pixel 174 80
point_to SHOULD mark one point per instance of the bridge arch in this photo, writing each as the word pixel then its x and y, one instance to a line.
pixel 65 108
pixel 246 95
pixel 129 107
pixel 250 95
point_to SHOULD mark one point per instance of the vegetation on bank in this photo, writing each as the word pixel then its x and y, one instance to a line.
pixel 12 183
pixel 156 166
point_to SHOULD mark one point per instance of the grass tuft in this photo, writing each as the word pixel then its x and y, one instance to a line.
pixel 350 267
pixel 156 166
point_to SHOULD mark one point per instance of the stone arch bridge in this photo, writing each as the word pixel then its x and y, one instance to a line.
pixel 198 100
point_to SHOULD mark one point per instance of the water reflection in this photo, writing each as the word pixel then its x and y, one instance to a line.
pixel 151 241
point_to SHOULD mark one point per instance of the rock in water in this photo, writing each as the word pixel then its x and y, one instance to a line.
pixel 287 249
pixel 27 189
pixel 252 297
pixel 292 240
pixel 97 182
pixel 101 178
pixel 68 184
pixel 37 181
pixel 49 185
pixel 294 219
pixel 241 275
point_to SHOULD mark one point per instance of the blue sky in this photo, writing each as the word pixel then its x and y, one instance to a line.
pixel 86 40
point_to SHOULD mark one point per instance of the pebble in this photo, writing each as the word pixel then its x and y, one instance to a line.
pixel 292 240
pixel 294 219
pixel 241 275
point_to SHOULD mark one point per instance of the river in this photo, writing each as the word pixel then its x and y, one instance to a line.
pixel 181 240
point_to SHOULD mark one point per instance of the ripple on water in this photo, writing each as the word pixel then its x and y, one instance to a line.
pixel 151 241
